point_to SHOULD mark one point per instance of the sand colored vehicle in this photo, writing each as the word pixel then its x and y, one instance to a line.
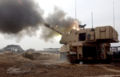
pixel 88 44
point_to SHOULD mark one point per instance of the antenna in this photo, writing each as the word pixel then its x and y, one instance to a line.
pixel 92 19
pixel 113 13
pixel 75 9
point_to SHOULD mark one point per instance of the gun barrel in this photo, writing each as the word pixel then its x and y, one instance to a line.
pixel 54 29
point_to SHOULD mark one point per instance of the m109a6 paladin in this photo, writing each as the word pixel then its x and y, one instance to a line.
pixel 88 44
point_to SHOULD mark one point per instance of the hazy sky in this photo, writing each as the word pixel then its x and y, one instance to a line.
pixel 102 15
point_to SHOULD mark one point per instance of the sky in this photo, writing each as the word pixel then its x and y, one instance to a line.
pixel 102 15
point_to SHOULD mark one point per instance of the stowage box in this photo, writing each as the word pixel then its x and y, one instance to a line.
pixel 106 33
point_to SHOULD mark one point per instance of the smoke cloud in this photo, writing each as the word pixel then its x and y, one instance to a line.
pixel 22 17
pixel 57 19
pixel 18 15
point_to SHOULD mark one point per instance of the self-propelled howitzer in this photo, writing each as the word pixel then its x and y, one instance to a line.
pixel 88 44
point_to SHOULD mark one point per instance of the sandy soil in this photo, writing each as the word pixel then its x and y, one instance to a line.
pixel 54 68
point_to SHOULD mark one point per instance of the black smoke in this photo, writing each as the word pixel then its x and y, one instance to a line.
pixel 19 15
pixel 23 17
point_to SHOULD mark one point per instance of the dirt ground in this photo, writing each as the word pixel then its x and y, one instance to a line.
pixel 53 68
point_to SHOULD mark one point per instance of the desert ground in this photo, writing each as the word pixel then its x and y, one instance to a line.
pixel 49 65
